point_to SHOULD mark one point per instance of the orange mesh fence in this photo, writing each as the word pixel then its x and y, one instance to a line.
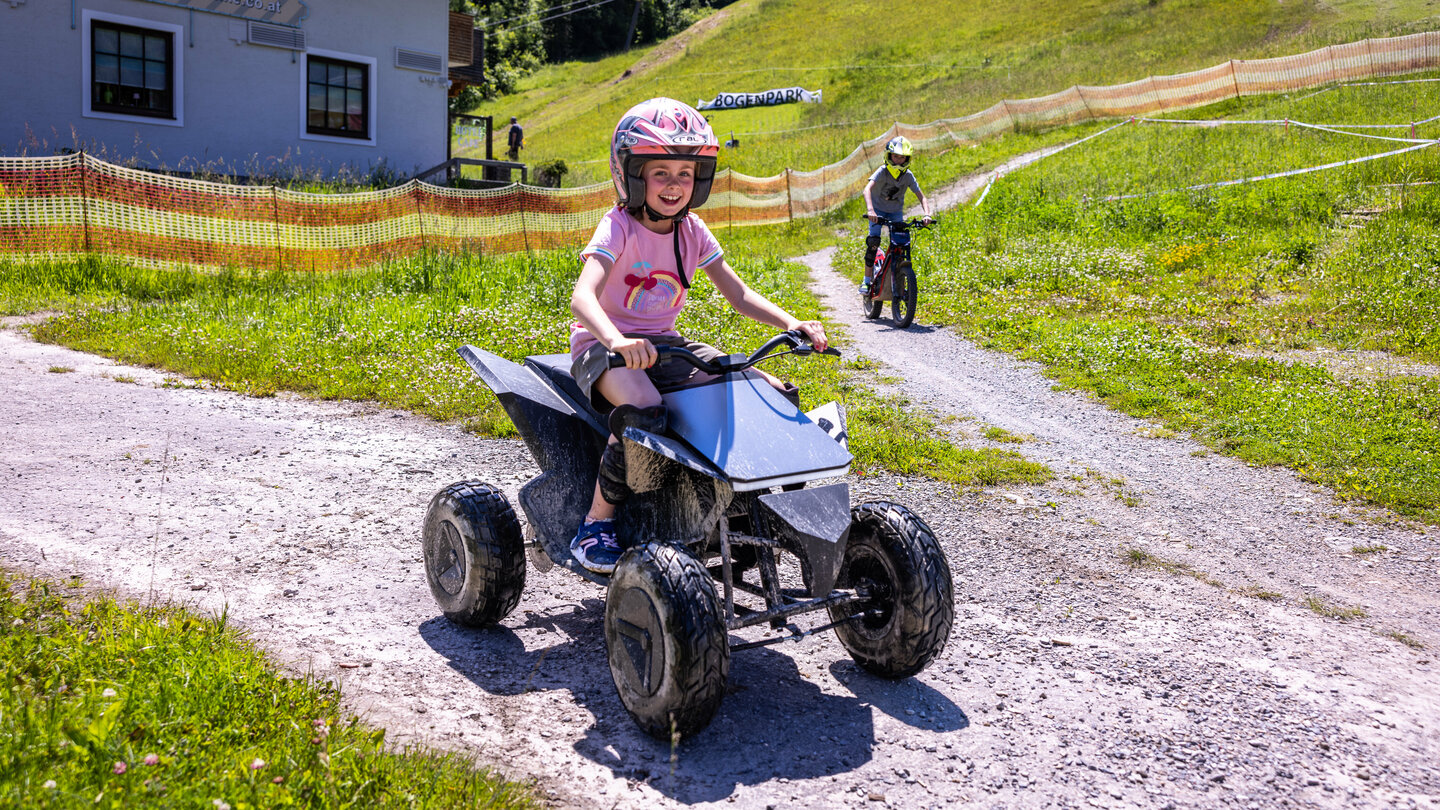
pixel 73 204
pixel 42 206
pixel 1195 89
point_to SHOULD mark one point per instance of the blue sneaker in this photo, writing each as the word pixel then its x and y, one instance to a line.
pixel 864 288
pixel 595 546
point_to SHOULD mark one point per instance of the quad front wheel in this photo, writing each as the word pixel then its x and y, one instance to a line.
pixel 474 554
pixel 666 639
pixel 893 557
pixel 903 295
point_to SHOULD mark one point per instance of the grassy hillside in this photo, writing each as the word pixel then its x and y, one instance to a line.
pixel 878 62
pixel 1290 322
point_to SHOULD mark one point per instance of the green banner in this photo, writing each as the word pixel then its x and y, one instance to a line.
pixel 468 135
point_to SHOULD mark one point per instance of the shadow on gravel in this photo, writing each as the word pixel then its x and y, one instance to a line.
pixel 915 328
pixel 774 723
pixel 909 701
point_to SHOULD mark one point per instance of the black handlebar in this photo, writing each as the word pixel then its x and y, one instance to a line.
pixel 905 225
pixel 798 342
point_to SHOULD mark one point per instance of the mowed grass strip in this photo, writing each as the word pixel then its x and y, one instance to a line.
pixel 1193 308
pixel 390 335
pixel 110 704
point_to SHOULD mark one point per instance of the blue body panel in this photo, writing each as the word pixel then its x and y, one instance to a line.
pixel 753 434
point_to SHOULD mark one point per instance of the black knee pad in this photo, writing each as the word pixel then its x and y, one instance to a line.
pixel 612 474
pixel 871 243
pixel 614 487
pixel 652 420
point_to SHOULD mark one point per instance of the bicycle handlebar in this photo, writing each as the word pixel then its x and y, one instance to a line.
pixel 798 341
pixel 914 222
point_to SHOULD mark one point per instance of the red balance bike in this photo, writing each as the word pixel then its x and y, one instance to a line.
pixel 893 278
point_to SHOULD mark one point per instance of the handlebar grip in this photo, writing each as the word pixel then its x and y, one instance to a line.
pixel 618 360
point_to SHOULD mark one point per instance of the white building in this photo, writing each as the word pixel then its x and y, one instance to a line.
pixel 233 86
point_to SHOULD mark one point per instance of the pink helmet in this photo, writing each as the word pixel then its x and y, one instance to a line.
pixel 666 129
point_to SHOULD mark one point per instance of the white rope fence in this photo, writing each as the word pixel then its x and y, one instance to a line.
pixel 1335 129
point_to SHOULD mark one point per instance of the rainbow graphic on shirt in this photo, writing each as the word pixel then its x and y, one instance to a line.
pixel 652 291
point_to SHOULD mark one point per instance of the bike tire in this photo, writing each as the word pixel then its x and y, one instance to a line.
pixel 903 295
pixel 871 307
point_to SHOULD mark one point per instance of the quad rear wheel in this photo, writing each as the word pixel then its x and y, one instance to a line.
pixel 665 635
pixel 893 556
pixel 474 554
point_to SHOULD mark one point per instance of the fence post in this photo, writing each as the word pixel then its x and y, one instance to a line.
pixel 416 191
pixel 790 200
pixel 730 202
pixel 85 198
pixel 1235 82
pixel 524 226
pixel 1081 94
pixel 1014 125
pixel 275 213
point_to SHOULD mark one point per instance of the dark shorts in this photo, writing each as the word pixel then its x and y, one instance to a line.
pixel 666 374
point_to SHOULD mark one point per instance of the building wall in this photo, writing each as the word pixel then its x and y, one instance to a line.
pixel 240 106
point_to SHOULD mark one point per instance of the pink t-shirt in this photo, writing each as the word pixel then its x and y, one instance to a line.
pixel 643 293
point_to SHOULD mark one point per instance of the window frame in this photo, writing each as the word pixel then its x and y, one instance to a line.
pixel 176 63
pixel 370 65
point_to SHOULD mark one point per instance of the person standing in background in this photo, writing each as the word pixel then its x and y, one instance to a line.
pixel 515 139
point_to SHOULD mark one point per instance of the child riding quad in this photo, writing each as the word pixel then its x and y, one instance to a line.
pixel 718 494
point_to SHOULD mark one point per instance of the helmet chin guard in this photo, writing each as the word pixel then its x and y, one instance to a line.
pixel 661 129
pixel 898 145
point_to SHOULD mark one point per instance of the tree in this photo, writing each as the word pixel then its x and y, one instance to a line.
pixel 522 35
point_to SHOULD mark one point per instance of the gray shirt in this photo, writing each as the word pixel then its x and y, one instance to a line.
pixel 888 193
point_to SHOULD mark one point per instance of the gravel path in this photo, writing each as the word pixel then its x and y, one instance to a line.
pixel 1072 678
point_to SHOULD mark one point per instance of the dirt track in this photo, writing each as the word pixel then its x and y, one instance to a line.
pixel 1071 679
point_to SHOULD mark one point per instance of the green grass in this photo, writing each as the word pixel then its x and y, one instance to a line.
pixel 876 61
pixel 1181 307
pixel 390 335
pixel 1323 607
pixel 1405 638
pixel 1139 558
pixel 123 705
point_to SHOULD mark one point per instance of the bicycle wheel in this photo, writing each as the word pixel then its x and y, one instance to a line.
pixel 902 291
pixel 870 307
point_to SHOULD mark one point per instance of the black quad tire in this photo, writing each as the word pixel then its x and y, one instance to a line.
pixel 903 295
pixel 665 635
pixel 474 553
pixel 895 556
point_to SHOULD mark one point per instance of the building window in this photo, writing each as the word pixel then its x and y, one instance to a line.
pixel 131 70
pixel 337 98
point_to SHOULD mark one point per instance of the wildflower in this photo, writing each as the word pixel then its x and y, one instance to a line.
pixel 108 692
pixel 120 767
pixel 220 804
pixel 49 784
pixel 257 764
pixel 152 759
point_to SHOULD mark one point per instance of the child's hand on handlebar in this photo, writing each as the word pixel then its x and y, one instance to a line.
pixel 638 352
pixel 816 332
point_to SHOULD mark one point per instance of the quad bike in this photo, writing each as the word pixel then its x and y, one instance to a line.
pixel 718 495
pixel 892 278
